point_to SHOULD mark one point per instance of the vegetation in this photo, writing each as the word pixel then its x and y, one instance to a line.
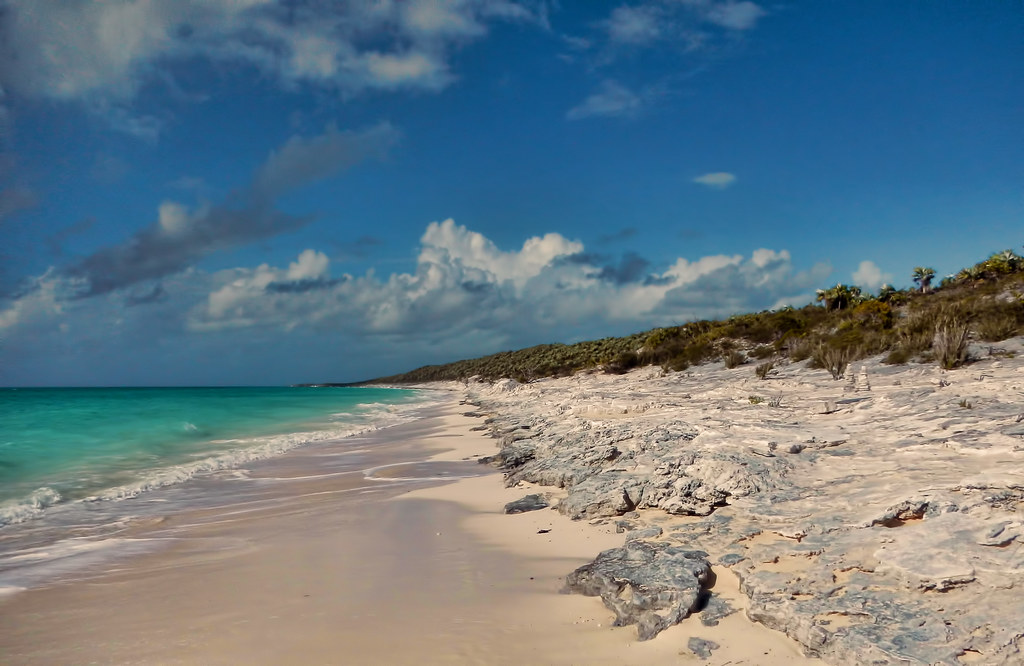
pixel 981 302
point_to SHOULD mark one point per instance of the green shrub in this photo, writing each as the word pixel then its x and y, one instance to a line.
pixel 755 399
pixel 761 351
pixel 994 326
pixel 874 313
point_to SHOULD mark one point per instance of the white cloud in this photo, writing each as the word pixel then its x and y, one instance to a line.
pixel 719 180
pixel 463 282
pixel 396 70
pixel 463 290
pixel 611 99
pixel 634 25
pixel 104 52
pixel 311 265
pixel 870 276
pixel 450 243
pixel 733 15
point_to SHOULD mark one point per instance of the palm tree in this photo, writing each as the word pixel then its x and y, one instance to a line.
pixel 839 297
pixel 923 277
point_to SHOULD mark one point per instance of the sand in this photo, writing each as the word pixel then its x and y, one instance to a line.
pixel 327 565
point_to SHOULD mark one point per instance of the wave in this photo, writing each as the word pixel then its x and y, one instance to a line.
pixel 26 508
pixel 259 448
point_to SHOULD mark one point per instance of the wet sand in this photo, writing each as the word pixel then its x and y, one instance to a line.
pixel 320 563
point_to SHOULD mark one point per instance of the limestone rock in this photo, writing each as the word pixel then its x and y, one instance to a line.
pixel 533 502
pixel 653 585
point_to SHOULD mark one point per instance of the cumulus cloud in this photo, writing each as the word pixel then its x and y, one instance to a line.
pixel 869 276
pixel 463 282
pixel 106 51
pixel 465 296
pixel 718 180
pixel 181 236
pixel 610 99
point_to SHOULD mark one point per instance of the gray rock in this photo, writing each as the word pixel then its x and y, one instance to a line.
pixel 701 647
pixel 533 502
pixel 714 610
pixel 653 585
pixel 600 496
pixel 652 532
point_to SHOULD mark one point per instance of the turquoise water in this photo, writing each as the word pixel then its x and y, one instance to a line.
pixel 61 445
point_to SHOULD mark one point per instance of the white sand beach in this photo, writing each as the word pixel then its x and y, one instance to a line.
pixel 833 517
pixel 345 570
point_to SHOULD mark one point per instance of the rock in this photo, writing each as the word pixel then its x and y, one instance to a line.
pixel 714 610
pixel 862 379
pixel 730 559
pixel 653 585
pixel 652 532
pixel 701 647
pixel 599 496
pixel 533 502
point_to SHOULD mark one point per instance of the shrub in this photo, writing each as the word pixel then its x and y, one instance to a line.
pixel 898 356
pixel 734 359
pixel 755 399
pixel 950 343
pixel 763 369
pixel 677 364
pixel 965 404
pixel 623 363
pixel 800 349
pixel 833 359
pixel 761 351
pixel 874 313
pixel 996 326
pixel 775 402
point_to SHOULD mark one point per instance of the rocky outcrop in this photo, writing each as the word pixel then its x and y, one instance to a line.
pixel 886 529
pixel 653 585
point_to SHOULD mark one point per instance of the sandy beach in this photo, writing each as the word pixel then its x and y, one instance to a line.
pixel 872 520
pixel 346 562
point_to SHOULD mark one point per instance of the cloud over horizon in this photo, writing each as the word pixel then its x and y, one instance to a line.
pixel 462 287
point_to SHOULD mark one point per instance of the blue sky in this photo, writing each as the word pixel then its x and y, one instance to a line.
pixel 268 192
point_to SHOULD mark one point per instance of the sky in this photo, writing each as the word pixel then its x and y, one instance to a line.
pixel 230 192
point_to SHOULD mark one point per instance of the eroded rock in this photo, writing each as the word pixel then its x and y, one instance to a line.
pixel 653 585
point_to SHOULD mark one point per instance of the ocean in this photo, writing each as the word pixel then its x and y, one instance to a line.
pixel 70 458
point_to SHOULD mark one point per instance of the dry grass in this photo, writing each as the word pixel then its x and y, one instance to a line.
pixel 832 359
pixel 950 343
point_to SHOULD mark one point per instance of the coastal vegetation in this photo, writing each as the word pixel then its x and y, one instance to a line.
pixel 984 303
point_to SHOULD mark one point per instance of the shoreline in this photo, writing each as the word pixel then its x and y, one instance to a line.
pixel 330 566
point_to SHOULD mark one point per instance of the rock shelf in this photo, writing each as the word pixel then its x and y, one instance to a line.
pixel 887 528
